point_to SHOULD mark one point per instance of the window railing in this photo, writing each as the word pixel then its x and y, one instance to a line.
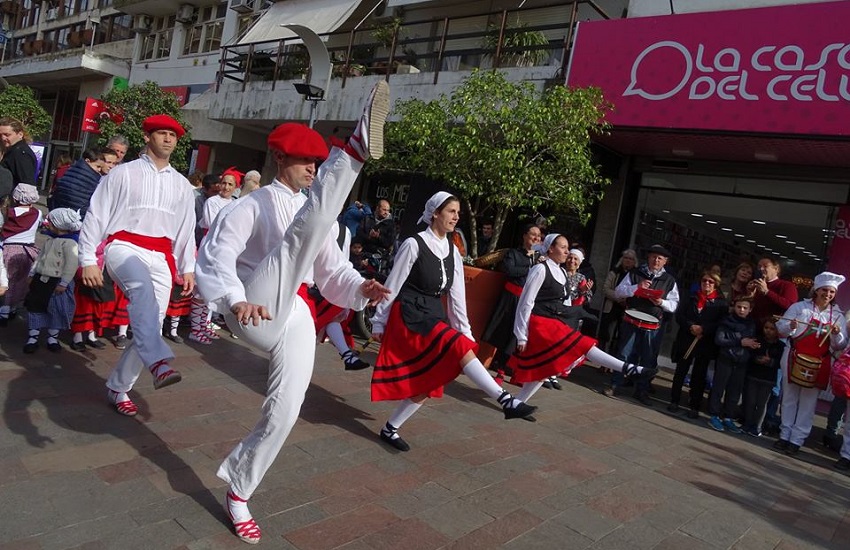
pixel 537 36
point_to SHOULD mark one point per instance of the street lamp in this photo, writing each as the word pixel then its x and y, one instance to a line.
pixel 313 94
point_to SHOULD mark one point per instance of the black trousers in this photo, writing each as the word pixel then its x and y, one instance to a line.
pixel 727 386
pixel 755 402
pixel 700 363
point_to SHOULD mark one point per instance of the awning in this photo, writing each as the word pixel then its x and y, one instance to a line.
pixel 321 16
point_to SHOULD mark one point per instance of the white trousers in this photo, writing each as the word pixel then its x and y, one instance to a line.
pixel 145 279
pixel 798 411
pixel 290 336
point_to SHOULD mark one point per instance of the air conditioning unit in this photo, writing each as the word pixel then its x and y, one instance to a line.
pixel 242 6
pixel 142 24
pixel 52 14
pixel 185 13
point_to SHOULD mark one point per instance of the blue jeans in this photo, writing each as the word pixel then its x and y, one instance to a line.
pixel 638 346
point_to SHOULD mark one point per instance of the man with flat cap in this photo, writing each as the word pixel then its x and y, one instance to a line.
pixel 255 265
pixel 145 210
pixel 648 291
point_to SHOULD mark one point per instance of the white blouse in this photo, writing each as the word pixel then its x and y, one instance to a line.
pixel 804 311
pixel 536 276
pixel 212 206
pixel 407 255
pixel 248 229
pixel 138 198
pixel 28 236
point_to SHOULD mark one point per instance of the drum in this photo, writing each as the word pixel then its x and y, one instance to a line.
pixel 641 319
pixel 804 369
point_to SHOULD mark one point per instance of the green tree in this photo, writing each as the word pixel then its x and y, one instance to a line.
pixel 503 145
pixel 134 104
pixel 20 102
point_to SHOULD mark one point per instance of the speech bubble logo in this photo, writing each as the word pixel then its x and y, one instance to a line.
pixel 633 88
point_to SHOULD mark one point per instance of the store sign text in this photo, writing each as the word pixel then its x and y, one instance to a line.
pixel 795 74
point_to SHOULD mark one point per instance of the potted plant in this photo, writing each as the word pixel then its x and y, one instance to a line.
pixel 520 46
pixel 385 33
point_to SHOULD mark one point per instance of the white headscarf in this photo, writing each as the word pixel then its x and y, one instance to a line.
pixel 25 193
pixel 431 206
pixel 578 254
pixel 548 240
pixel 65 219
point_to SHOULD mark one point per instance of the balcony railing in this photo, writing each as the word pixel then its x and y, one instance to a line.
pixel 537 36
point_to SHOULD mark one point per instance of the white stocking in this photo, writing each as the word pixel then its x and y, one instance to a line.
pixel 334 332
pixel 528 390
pixel 481 378
pixel 403 412
pixel 609 362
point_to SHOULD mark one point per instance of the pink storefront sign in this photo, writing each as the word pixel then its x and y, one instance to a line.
pixel 778 70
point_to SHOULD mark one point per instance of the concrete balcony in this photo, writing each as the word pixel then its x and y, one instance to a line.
pixel 158 7
pixel 76 64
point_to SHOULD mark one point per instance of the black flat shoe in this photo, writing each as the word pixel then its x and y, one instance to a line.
pixel 792 449
pixel 395 442
pixel 176 338
pixel 693 414
pixel 30 348
pixel 359 364
pixel 556 385
pixel 54 347
pixel 96 344
pixel 547 384
pixel 673 408
pixel 522 410
pixel 781 445
pixel 78 346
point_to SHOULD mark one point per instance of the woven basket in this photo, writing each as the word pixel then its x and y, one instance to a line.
pixel 487 261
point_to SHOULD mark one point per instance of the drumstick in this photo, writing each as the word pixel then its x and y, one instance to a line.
pixel 692 346
pixel 826 336
pixel 781 318
pixel 365 345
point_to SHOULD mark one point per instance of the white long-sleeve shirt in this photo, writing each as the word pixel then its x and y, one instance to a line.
pixel 212 207
pixel 247 230
pixel 806 310
pixel 626 289
pixel 138 198
pixel 407 255
pixel 536 276
pixel 27 236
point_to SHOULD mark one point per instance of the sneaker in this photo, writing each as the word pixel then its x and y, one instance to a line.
pixel 752 432
pixel 843 464
pixel 716 424
pixel 731 427
pixel 368 137
pixel 120 342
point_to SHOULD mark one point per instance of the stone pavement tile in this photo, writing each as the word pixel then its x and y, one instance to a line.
pixel 547 536
pixel 760 536
pixel 165 534
pixel 426 497
pixel 229 541
pixel 123 471
pixel 722 527
pixel 627 501
pixel 678 541
pixel 12 470
pixel 497 533
pixel 411 534
pixel 455 518
pixel 633 536
pixel 87 531
pixel 338 530
pixel 202 434
pixel 218 450
pixel 346 500
pixel 819 528
pixel 201 514
pixel 586 521
pixel 270 501
pixel 670 515
pixel 182 481
pixel 346 478
pixel 404 482
pixel 501 470
pixel 335 446
pixel 21 545
pixel 277 526
pixel 86 457
pixel 601 438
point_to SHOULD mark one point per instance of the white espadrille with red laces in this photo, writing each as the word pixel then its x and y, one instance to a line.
pixel 164 375
pixel 237 510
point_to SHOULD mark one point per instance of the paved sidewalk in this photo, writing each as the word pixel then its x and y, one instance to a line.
pixel 592 472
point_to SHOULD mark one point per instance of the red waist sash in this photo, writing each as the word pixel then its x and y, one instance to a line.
pixel 157 244
pixel 516 290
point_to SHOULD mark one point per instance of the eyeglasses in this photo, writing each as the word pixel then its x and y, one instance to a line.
pixel 709 281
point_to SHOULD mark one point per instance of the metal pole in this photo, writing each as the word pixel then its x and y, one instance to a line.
pixel 314 105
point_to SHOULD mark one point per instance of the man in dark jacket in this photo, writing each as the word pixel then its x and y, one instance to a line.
pixel 75 188
pixel 377 233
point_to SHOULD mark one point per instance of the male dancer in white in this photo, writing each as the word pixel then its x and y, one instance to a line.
pixel 145 209
pixel 256 259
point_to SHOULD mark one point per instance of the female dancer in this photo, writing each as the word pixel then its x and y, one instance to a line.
pixel 546 345
pixel 807 324
pixel 420 352
pixel 515 265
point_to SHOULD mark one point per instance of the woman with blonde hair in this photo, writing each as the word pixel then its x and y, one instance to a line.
pixel 18 158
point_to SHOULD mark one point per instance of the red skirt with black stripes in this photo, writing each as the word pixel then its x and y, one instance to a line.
pixel 410 364
pixel 92 315
pixel 553 349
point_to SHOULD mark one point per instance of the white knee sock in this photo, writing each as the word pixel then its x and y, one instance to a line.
pixel 78 337
pixel 403 412
pixel 529 389
pixel 608 361
pixel 92 336
pixel 481 378
pixel 334 332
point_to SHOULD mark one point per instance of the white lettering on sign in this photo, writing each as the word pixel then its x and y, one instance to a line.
pixel 729 73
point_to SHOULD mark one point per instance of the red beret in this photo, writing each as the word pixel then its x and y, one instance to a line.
pixel 162 122
pixel 297 140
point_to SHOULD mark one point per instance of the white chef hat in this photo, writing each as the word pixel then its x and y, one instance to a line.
pixel 548 240
pixel 432 205
pixel 828 279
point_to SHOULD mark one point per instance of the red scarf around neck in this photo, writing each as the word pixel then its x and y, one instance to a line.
pixel 702 298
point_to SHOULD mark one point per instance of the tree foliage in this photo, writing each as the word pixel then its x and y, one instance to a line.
pixel 20 102
pixel 503 145
pixel 134 104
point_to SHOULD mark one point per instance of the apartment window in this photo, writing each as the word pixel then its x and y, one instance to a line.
pixel 157 44
pixel 205 35
pixel 113 28
pixel 104 3
pixel 72 7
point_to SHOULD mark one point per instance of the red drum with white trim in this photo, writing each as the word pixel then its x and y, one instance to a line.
pixel 641 319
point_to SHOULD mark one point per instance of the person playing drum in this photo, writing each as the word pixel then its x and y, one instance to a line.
pixel 546 344
pixel 649 291
pixel 815 328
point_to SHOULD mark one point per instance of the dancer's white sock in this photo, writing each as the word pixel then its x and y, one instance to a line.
pixel 608 361
pixel 174 323
pixel 238 508
pixel 481 378
pixel 92 336
pixel 337 337
pixel 78 337
pixel 528 390
pixel 53 336
pixel 33 336
pixel 122 330
pixel 117 397
pixel 406 408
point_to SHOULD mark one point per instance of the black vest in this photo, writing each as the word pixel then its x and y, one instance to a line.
pixel 550 298
pixel 420 296
pixel 665 282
